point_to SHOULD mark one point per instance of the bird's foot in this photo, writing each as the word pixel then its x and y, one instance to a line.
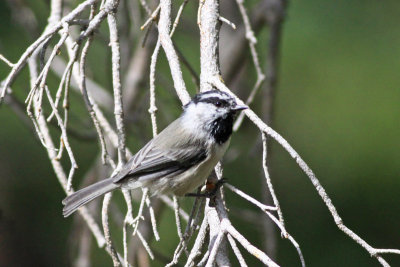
pixel 211 189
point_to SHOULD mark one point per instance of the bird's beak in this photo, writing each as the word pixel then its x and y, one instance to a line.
pixel 240 107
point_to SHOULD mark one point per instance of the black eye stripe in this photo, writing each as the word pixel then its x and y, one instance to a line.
pixel 215 101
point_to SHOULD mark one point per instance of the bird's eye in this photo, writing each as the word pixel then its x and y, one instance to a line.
pixel 218 103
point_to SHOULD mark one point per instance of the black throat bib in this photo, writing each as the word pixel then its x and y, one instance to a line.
pixel 221 128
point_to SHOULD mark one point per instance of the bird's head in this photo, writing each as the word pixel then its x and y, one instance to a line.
pixel 213 111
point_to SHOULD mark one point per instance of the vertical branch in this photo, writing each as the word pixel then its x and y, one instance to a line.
pixel 153 107
pixel 55 12
pixel 209 25
pixel 88 103
pixel 116 60
pixel 164 26
pixel 221 258
pixel 198 244
pixel 119 114
pixel 275 16
pixel 128 217
pixel 106 228
pixel 177 218
pixel 152 219
pixel 44 134
pixel 275 20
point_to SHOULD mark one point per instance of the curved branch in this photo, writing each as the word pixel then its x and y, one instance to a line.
pixel 306 169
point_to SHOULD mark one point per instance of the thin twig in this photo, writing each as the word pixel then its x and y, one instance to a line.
pixel 106 229
pixel 89 104
pixel 116 59
pixel 50 31
pixel 153 108
pixel 128 218
pixel 65 141
pixel 170 203
pixel 178 16
pixel 269 182
pixel 252 44
pixel 44 133
pixel 266 209
pixel 190 227
pixel 198 244
pixel 139 215
pixel 236 250
pixel 152 219
pixel 214 248
pixel 152 18
pixel 145 245
pixel 5 60
pixel 249 198
pixel 166 42
pixel 230 23
pixel 249 247
pixel 177 218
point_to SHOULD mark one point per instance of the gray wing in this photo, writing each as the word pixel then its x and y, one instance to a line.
pixel 157 160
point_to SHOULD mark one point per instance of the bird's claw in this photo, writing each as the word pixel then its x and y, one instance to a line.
pixel 211 189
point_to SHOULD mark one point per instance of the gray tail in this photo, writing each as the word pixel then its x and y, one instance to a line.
pixel 87 194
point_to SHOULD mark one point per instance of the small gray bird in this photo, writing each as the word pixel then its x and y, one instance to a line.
pixel 179 159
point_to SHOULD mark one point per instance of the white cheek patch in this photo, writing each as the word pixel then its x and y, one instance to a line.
pixel 205 110
pixel 196 115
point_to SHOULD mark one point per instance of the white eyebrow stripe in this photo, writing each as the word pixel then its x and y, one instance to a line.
pixel 221 96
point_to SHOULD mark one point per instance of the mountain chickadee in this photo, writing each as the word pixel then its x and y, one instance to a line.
pixel 177 160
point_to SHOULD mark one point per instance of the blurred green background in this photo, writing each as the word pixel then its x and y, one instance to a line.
pixel 337 103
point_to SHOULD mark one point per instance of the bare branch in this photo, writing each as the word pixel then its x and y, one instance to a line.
pixel 216 221
pixel 152 18
pixel 48 33
pixel 116 59
pixel 44 133
pixel 238 254
pixel 209 42
pixel 166 42
pixel 177 218
pixel 178 16
pixel 249 247
pixel 306 169
pixel 153 219
pixel 139 216
pixel 106 228
pixel 198 244
pixel 230 23
pixel 214 248
pixel 89 105
pixel 269 183
pixel 249 198
pixel 252 43
pixel 153 108
pixel 170 204
pixel 145 245
pixel 5 60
